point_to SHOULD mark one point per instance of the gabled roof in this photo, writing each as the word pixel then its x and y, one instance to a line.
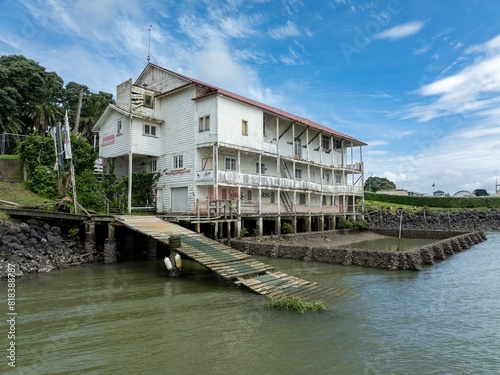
pixel 216 90
pixel 113 108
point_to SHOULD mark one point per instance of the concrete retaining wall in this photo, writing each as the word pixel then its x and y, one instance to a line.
pixel 412 259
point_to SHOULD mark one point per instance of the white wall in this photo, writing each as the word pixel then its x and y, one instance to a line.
pixel 231 114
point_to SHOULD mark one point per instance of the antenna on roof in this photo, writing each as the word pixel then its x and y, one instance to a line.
pixel 149 42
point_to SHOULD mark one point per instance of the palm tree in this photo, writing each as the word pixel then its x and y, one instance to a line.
pixel 93 107
pixel 45 110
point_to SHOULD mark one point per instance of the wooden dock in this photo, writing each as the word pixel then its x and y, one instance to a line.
pixel 229 263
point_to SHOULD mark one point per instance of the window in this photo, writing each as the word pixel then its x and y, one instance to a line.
pixel 230 164
pixel 150 130
pixel 297 148
pixel 325 142
pixel 119 126
pixel 244 127
pixel 264 125
pixel 204 123
pixel 262 168
pixel 338 144
pixel 249 195
pixel 302 198
pixel 148 101
pixel 326 177
pixel 298 173
pixel 178 161
pixel 327 200
pixel 152 166
pixel 273 197
pixel 338 178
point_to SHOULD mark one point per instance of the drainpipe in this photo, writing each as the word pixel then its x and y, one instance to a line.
pixel 130 157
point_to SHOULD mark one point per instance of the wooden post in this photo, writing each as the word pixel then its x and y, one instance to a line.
pixel 90 237
pixel 110 246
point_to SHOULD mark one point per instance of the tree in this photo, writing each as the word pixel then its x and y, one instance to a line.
pixel 29 94
pixel 93 107
pixel 45 110
pixel 374 184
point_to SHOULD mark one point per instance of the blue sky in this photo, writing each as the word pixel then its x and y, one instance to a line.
pixel 419 81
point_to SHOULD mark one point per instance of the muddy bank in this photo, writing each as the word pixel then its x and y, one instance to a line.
pixel 35 246
pixel 315 248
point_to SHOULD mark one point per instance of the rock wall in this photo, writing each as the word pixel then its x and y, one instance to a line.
pixel 412 259
pixel 35 246
pixel 455 221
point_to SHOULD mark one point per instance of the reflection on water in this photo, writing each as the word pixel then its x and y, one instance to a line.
pixel 390 244
pixel 131 318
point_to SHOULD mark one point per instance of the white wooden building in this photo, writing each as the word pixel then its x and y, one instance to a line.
pixel 224 157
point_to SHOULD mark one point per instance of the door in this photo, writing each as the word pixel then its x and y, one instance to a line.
pixel 179 199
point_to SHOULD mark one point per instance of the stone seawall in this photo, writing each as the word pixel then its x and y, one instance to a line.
pixel 412 259
pixel 35 246
pixel 454 221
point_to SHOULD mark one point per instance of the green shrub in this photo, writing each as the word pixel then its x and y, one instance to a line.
pixel 345 224
pixel 360 224
pixel 287 228
pixel 436 202
pixel 295 303
pixel 43 181
pixel 90 193
pixel 243 232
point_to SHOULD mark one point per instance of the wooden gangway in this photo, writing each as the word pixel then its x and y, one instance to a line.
pixel 229 263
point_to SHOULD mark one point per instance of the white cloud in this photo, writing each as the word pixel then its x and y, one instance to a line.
pixel 400 31
pixel 285 31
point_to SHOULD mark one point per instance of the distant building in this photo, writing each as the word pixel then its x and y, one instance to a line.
pixel 463 193
pixel 480 193
pixel 439 193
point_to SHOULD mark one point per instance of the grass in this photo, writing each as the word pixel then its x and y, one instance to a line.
pixel 294 303
pixel 9 156
pixel 17 193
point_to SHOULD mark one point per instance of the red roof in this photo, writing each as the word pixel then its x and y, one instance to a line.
pixel 268 108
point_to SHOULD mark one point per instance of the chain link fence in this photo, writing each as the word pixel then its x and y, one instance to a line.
pixel 9 143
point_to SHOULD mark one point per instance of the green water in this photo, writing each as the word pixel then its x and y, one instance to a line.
pixel 131 318
pixel 390 244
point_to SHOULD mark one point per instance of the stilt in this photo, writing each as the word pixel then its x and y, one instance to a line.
pixel 238 228
pixel 260 226
pixel 308 224
pixel 90 246
pixel 228 233
pixel 110 246
pixel 277 226
pixel 294 224
pixel 321 223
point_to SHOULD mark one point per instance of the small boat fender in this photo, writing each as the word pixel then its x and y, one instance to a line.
pixel 168 263
pixel 178 261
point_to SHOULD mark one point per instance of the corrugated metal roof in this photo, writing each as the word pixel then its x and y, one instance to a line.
pixel 265 107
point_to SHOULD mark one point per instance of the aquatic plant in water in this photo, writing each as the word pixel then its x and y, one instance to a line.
pixel 295 303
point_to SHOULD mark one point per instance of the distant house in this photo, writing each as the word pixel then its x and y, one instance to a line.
pixel 216 150
pixel 439 193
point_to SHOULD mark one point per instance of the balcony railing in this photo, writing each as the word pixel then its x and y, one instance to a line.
pixel 236 178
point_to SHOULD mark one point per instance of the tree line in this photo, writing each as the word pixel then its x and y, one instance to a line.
pixel 33 99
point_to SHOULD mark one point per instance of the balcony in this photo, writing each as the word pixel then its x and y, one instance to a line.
pixel 272 182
